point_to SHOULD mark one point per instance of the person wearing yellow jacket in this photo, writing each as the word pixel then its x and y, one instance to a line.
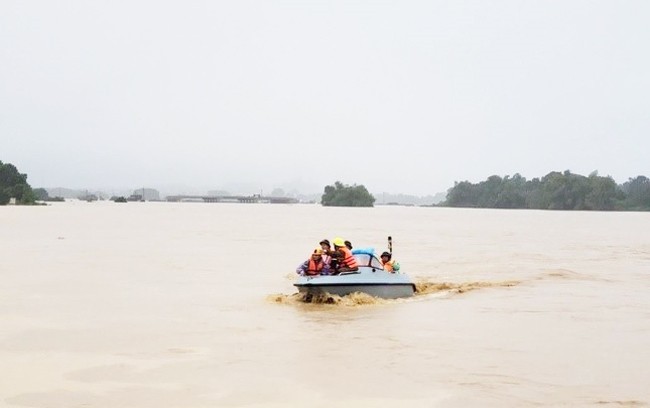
pixel 345 260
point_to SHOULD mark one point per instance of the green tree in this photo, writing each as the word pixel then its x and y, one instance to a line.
pixel 463 194
pixel 512 193
pixel 637 193
pixel 552 191
pixel 603 193
pixel 340 195
pixel 489 192
pixel 41 194
pixel 564 191
pixel 533 194
pixel 14 184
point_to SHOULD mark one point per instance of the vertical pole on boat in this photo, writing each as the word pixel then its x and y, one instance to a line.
pixel 390 244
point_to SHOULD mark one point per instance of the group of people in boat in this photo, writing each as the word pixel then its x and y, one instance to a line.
pixel 337 257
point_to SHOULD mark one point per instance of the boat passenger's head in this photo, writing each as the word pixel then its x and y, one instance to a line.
pixel 385 256
pixel 325 244
pixel 317 253
pixel 338 242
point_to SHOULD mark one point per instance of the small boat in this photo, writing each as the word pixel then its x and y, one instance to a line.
pixel 371 278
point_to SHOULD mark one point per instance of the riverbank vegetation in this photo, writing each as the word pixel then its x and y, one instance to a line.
pixel 555 191
pixel 340 195
pixel 14 185
pixel 41 194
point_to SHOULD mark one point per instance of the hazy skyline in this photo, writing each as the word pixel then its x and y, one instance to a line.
pixel 403 97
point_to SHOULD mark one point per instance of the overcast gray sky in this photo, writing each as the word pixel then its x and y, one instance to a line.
pixel 401 96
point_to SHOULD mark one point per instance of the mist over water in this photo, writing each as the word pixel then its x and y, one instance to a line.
pixel 193 305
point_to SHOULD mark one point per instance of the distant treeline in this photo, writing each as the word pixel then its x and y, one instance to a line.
pixel 555 191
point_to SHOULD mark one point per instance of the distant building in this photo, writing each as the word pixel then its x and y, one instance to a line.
pixel 88 197
pixel 145 194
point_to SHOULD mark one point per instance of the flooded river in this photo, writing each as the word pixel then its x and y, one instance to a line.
pixel 191 305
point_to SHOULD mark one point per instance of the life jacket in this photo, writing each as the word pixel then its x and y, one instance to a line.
pixel 314 267
pixel 348 261
pixel 388 266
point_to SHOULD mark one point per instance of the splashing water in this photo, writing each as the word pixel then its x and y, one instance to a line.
pixel 353 299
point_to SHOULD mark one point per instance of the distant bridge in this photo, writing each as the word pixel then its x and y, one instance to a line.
pixel 255 198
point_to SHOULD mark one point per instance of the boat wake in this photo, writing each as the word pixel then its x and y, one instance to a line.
pixel 422 288
pixel 426 288
pixel 353 299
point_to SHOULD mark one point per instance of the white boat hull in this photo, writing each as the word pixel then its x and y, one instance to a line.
pixel 375 282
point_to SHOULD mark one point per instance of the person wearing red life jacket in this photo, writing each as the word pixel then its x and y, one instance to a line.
pixel 314 265
pixel 346 261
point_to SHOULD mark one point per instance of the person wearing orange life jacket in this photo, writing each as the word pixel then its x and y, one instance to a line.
pixel 314 265
pixel 390 265
pixel 346 261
